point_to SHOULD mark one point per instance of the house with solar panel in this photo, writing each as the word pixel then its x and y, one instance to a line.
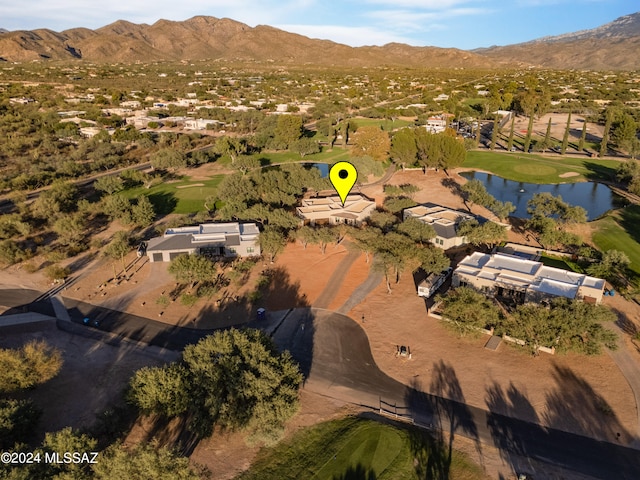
pixel 214 240
pixel 330 210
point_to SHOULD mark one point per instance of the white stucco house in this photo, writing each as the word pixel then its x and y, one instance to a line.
pixel 329 209
pixel 523 280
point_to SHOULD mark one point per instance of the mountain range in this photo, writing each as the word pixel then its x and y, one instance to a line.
pixel 615 45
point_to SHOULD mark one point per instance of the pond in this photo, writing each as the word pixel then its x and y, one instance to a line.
pixel 595 198
pixel 323 167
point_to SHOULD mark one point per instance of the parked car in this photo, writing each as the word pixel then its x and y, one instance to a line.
pixel 142 249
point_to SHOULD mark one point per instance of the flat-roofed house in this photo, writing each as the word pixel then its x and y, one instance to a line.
pixel 445 222
pixel 523 280
pixel 329 209
pixel 231 239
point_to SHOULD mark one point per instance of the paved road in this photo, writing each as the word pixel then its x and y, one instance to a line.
pixel 334 353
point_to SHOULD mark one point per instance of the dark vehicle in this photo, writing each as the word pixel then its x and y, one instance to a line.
pixel 142 249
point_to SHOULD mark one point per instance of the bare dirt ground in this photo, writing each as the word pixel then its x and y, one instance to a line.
pixel 92 378
pixel 558 126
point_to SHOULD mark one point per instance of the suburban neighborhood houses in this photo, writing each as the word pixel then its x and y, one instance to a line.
pixel 188 291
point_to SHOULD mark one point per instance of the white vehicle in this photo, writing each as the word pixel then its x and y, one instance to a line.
pixel 430 285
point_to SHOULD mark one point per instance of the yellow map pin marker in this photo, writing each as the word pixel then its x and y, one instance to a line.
pixel 343 177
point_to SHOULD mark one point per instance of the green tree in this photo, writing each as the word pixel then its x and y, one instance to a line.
pixel 611 267
pixel 117 206
pixel 416 230
pixel 168 159
pixel 494 132
pixel 501 209
pixel 403 147
pixel 118 248
pixel 366 240
pixel 467 311
pixel 625 132
pixel 583 137
pixel 142 213
pixel 476 193
pixel 231 147
pixel 71 229
pixel 371 141
pixel 527 139
pixel 236 379
pixel 511 132
pixel 383 220
pixel 565 138
pixel 288 130
pixel 305 235
pixel 397 204
pixel 109 184
pixel 161 391
pixel 191 269
pixel 604 144
pixel 305 146
pixel 34 363
pixel 272 242
pixel 59 198
pixel 489 233
pixel 145 461
pixel 18 418
pixel 546 143
pixel 324 236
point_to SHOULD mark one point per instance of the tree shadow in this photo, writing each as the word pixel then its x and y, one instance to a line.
pixel 449 414
pixel 455 188
pixel 280 292
pixel 173 433
pixel 509 403
pixel 600 172
pixel 358 472
pixel 163 203
pixel 575 406
pixel 630 221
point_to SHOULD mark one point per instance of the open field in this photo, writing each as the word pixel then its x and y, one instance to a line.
pixel 534 168
pixel 354 449
pixel 181 196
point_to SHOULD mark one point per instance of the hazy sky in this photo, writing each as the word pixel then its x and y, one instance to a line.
pixel 463 24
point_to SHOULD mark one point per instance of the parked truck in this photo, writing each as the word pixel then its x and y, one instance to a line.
pixel 430 285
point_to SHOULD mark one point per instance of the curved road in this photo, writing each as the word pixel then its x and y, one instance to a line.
pixel 333 351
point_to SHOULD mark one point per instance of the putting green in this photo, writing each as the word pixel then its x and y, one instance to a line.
pixel 373 448
pixel 534 169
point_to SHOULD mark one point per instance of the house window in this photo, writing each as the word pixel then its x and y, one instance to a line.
pixel 231 249
pixel 250 249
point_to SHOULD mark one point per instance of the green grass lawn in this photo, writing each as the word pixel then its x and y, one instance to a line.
pixel 533 168
pixel 620 230
pixel 558 262
pixel 181 196
pixel 354 449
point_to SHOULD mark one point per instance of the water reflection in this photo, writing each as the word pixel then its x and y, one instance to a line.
pixel 595 198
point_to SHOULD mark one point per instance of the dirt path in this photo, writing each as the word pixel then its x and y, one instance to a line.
pixel 335 281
